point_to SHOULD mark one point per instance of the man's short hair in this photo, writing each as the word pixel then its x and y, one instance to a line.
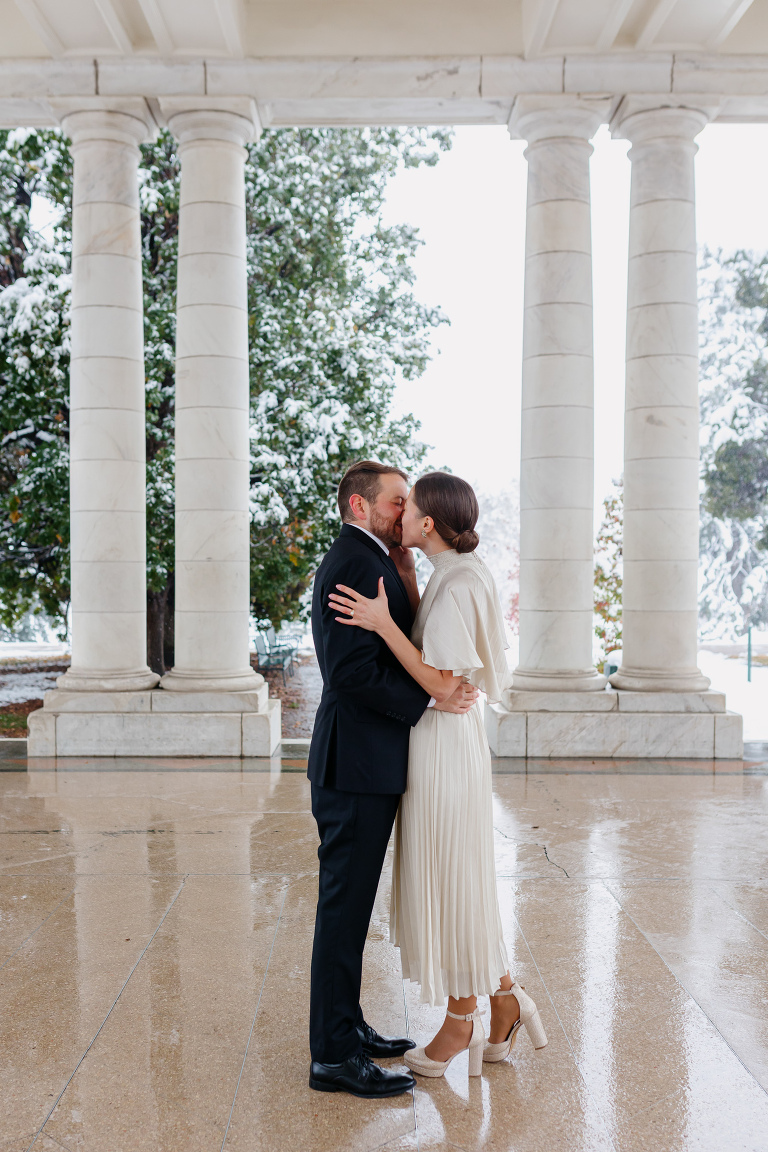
pixel 363 478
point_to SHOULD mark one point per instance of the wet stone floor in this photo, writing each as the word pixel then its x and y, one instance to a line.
pixel 155 931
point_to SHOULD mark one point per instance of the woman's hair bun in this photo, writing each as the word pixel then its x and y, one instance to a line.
pixel 466 541
pixel 452 504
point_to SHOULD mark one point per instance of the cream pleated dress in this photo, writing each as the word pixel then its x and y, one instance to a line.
pixel 445 909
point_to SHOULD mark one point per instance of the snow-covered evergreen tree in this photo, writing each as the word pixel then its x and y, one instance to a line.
pixel 333 325
pixel 734 408
pixel 34 379
pixel 609 571
pixel 499 531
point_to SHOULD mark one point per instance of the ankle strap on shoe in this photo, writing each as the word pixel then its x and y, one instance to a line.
pixel 503 992
pixel 469 1017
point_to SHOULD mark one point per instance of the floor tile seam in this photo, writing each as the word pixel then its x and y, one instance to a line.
pixel 689 994
pixel 584 879
pixel 656 1104
pixel 394 1140
pixel 95 1037
pixel 415 1127
pixel 26 939
pixel 59 1144
pixel 574 1057
pixel 267 771
pixel 740 915
pixel 249 875
pixel 43 860
pixel 6 1142
pixel 170 875
pixel 253 1021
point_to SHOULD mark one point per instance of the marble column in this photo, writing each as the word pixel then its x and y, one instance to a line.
pixel 556 477
pixel 107 423
pixel 661 452
pixel 212 408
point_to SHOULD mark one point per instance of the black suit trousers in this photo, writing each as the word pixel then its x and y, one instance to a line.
pixel 354 830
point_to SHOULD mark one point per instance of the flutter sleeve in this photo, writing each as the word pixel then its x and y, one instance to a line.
pixel 464 634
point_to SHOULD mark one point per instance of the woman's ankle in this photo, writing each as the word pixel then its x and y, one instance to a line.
pixel 462 1007
pixel 452 1037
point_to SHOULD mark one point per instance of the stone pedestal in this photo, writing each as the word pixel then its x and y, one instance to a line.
pixel 156 723
pixel 615 725
pixel 556 465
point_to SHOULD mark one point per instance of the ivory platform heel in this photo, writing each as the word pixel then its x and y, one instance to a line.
pixel 529 1018
pixel 418 1061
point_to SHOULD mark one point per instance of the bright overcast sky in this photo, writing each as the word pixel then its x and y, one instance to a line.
pixel 470 210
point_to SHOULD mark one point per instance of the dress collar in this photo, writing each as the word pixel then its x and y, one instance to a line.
pixel 445 559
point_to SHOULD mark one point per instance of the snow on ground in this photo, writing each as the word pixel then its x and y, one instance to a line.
pixel 34 650
pixel 750 699
pixel 17 687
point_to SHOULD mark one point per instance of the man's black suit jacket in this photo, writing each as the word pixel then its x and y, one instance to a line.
pixel 369 702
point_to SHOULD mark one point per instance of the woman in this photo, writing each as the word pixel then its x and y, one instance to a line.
pixel 445 912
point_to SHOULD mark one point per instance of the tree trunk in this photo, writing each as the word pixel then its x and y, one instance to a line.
pixel 168 633
pixel 156 614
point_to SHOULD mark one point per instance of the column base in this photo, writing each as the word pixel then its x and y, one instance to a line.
pixel 614 725
pixel 550 680
pixel 653 680
pixel 75 680
pixel 203 680
pixel 155 723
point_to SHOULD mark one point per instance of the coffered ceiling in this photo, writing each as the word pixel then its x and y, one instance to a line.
pixel 261 28
pixel 556 26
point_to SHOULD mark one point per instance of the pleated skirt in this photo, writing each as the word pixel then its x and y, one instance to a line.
pixel 445 909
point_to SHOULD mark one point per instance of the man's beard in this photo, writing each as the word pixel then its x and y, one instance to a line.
pixel 390 532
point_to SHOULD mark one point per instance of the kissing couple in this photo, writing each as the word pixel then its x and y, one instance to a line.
pixel 399 740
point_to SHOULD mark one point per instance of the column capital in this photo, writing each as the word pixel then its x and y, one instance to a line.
pixel 642 119
pixel 123 120
pixel 232 119
pixel 536 118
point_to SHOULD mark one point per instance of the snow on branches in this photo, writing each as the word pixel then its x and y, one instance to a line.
pixel 333 325
pixel 734 409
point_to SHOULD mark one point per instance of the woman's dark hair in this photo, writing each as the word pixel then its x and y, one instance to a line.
pixel 452 504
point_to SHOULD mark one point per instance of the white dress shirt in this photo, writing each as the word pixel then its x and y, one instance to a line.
pixel 380 543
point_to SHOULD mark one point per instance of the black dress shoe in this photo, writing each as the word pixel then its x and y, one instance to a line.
pixel 360 1077
pixel 382 1046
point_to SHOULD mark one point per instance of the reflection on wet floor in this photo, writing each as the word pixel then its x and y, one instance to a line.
pixel 155 932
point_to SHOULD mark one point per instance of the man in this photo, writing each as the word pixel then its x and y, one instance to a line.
pixel 358 763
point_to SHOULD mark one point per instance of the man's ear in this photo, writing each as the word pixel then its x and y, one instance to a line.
pixel 357 506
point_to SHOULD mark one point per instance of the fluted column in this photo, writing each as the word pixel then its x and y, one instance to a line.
pixel 661 452
pixel 107 429
pixel 557 466
pixel 212 580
